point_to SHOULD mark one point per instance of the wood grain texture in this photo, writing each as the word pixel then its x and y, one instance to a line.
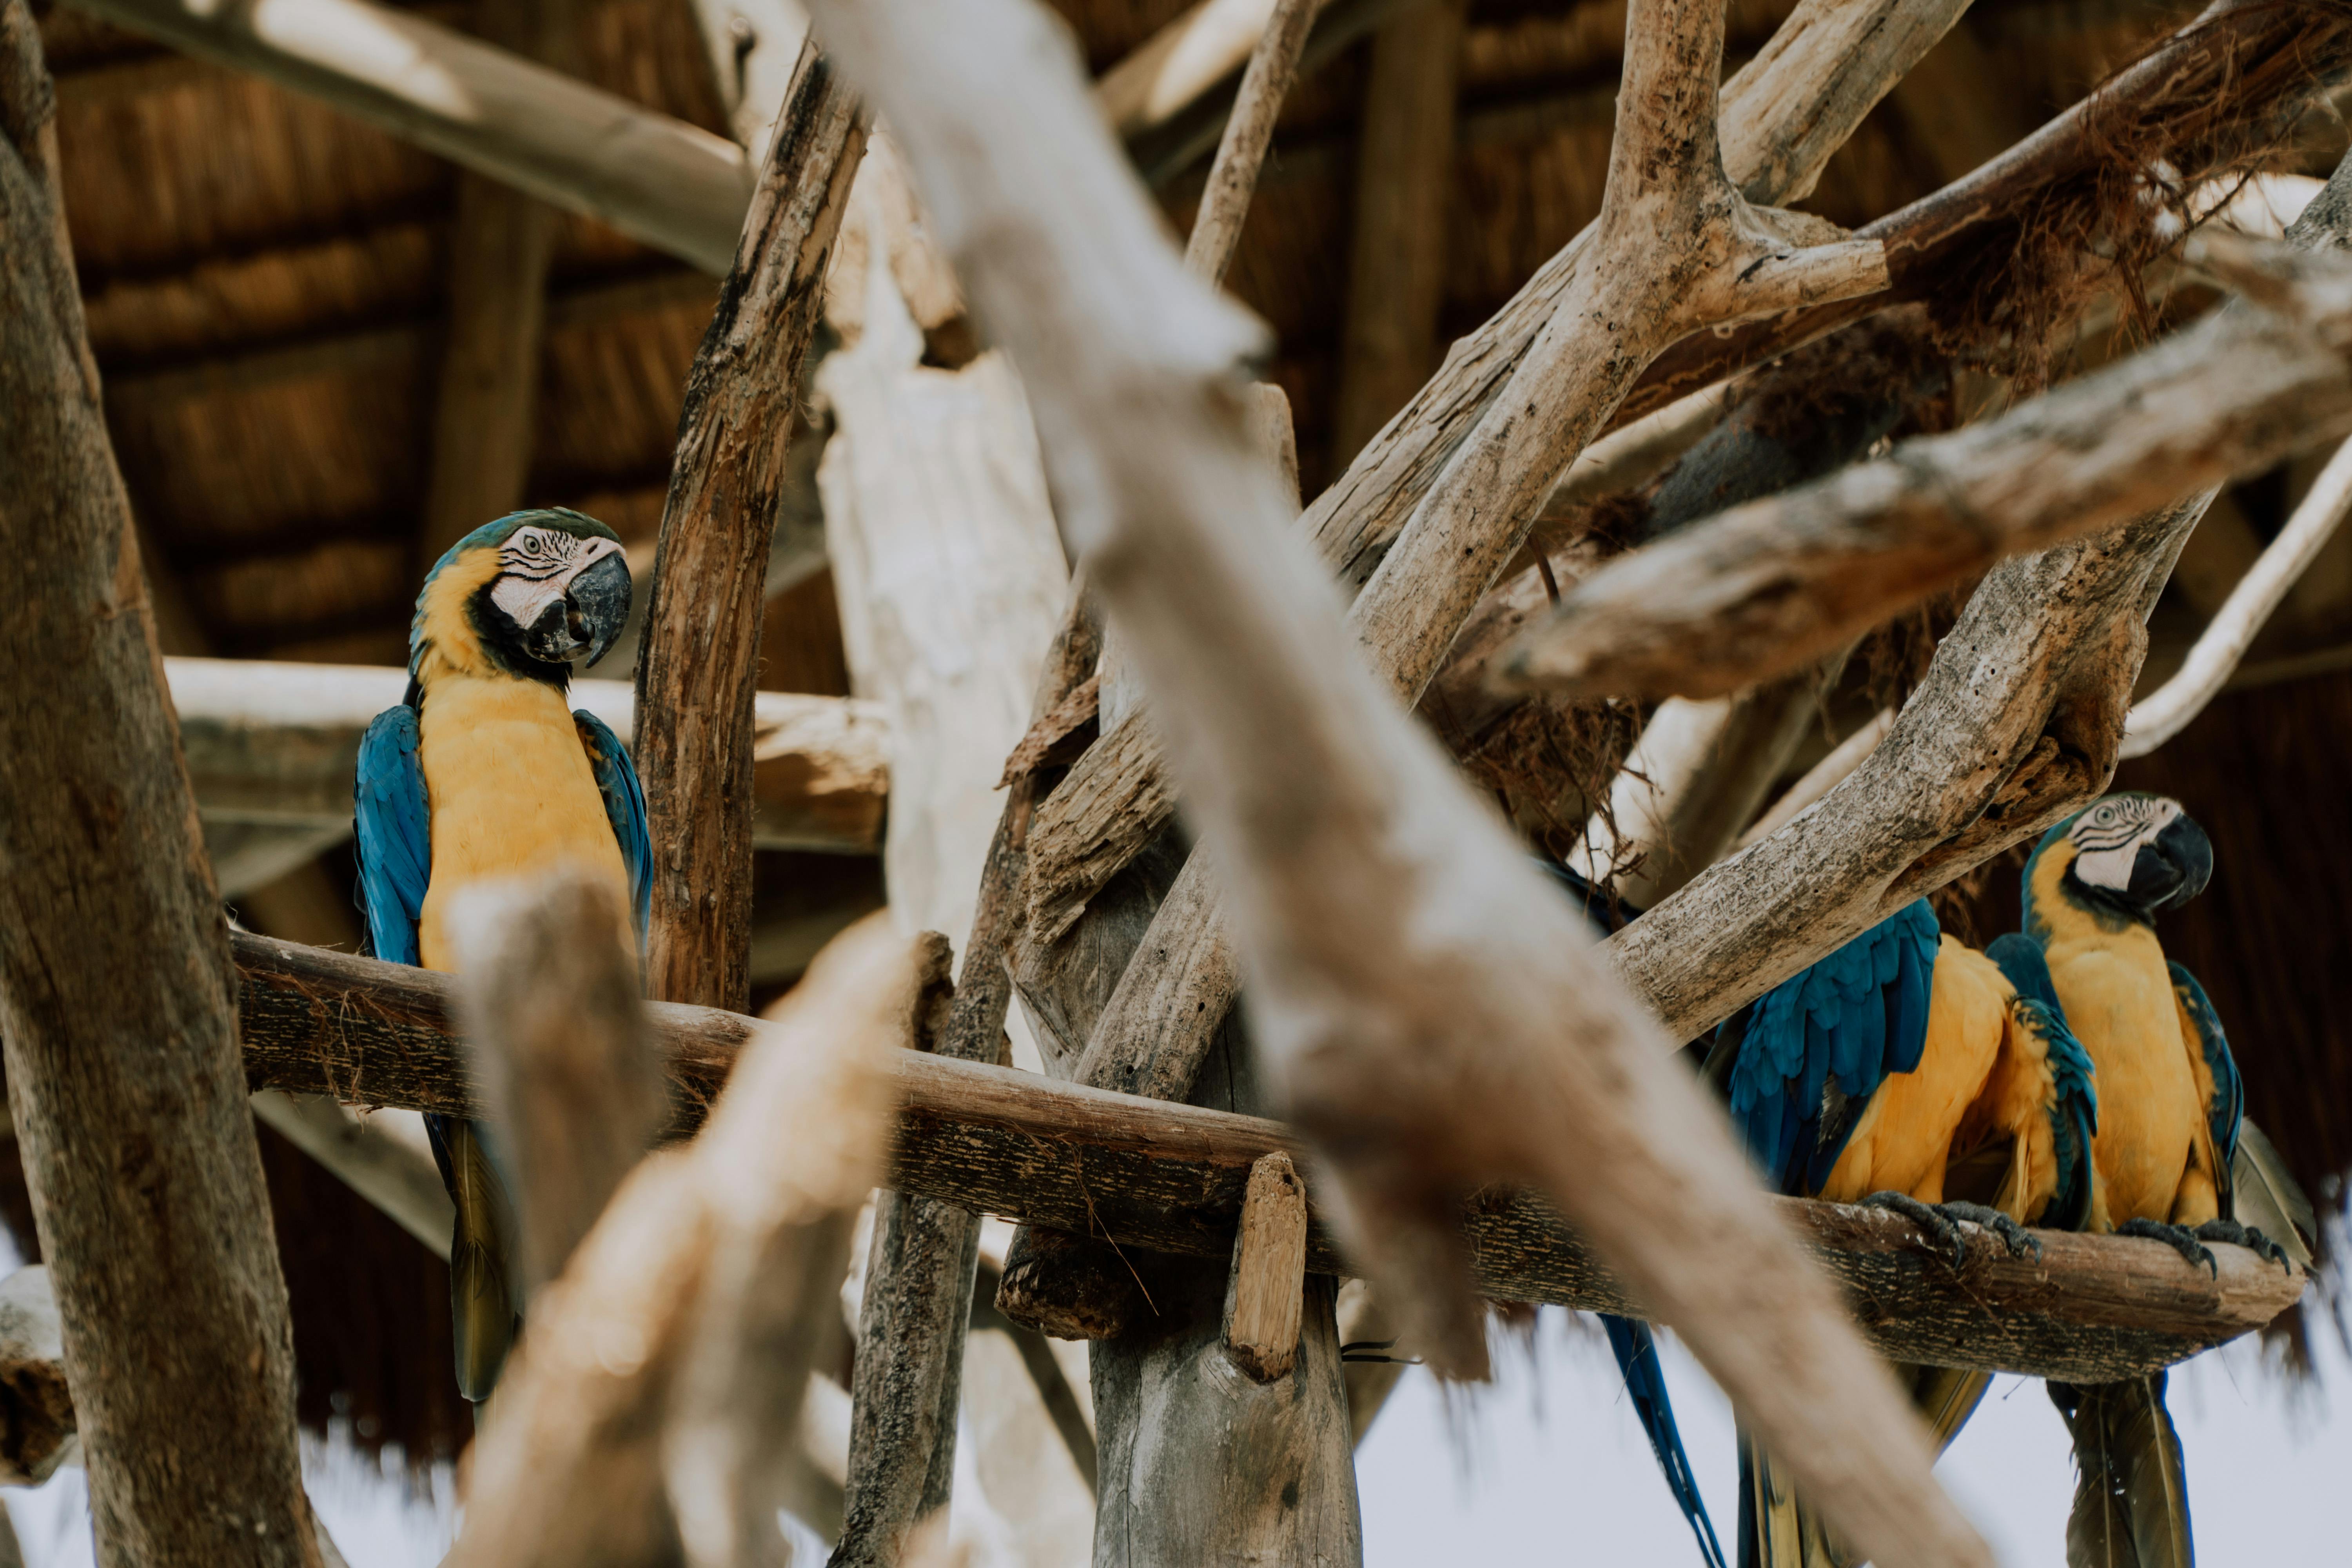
pixel 1170 1177
pixel 1263 1298
pixel 1249 132
pixel 695 740
pixel 123 1079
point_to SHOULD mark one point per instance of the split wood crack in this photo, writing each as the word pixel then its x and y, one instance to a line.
pixel 1168 1177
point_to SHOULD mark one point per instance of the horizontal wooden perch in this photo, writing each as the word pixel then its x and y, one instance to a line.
pixel 1171 1178
pixel 275 743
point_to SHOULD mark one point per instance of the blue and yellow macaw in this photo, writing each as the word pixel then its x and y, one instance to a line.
pixel 2169 1145
pixel 483 772
pixel 1907 1071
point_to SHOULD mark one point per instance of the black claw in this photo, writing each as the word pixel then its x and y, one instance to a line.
pixel 2178 1237
pixel 2014 1235
pixel 1930 1223
pixel 2247 1236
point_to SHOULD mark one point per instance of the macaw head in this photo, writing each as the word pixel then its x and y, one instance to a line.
pixel 2129 854
pixel 526 596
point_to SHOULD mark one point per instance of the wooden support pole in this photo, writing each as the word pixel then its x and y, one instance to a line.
pixel 697 740
pixel 1405 183
pixel 1158 1176
pixel 951 584
pixel 124 1078
pixel 550 991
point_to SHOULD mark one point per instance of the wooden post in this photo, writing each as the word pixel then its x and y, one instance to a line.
pixel 1405 180
pixel 694 736
pixel 1262 1298
pixel 951 584
pixel 124 1082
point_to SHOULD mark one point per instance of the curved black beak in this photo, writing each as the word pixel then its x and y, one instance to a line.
pixel 596 606
pixel 2174 867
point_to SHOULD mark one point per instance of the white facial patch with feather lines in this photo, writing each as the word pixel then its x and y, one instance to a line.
pixel 2107 838
pixel 537 566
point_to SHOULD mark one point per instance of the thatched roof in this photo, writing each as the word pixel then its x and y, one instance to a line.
pixel 265 280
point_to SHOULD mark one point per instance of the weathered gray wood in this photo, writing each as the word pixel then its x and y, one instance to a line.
pixel 274 745
pixel 1263 1301
pixel 123 1080
pixel 697 739
pixel 1168 1177
pixel 656 179
pixel 1770 585
pixel 1249 132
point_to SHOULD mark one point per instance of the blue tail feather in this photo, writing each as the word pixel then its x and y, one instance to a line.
pixel 1637 1349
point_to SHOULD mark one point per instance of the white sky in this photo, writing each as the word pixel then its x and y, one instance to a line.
pixel 1548 1465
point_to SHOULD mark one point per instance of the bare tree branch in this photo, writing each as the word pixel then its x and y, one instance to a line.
pixel 1232 177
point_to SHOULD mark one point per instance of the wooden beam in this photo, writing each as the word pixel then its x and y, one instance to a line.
pixel 124 1077
pixel 696 736
pixel 1168 1177
pixel 655 178
pixel 278 744
pixel 1405 181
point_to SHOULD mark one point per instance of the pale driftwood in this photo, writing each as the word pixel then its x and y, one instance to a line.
pixel 1249 132
pixel 1632 455
pixel 697 739
pixel 373 1155
pixel 2167 711
pixel 38 1429
pixel 652 1407
pixel 551 993
pixel 656 179
pixel 1263 1298
pixel 1424 1000
pixel 1161 1176
pixel 160 1251
pixel 1782 115
pixel 276 744
pixel 1777 581
pixel 952 585
pixel 1404 182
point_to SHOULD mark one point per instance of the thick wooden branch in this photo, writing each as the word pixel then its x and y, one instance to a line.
pixel 696 736
pixel 123 1079
pixel 1168 1177
pixel 656 179
pixel 1781 115
pixel 1775 583
pixel 1425 1001
pixel 276 743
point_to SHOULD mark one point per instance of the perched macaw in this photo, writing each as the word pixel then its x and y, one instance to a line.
pixel 483 772
pixel 2169 1145
pixel 1907 1071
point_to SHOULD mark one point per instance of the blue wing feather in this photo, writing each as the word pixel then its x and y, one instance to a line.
pixel 1636 1349
pixel 1853 1018
pixel 625 806
pixel 2229 1105
pixel 2075 1117
pixel 392 829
